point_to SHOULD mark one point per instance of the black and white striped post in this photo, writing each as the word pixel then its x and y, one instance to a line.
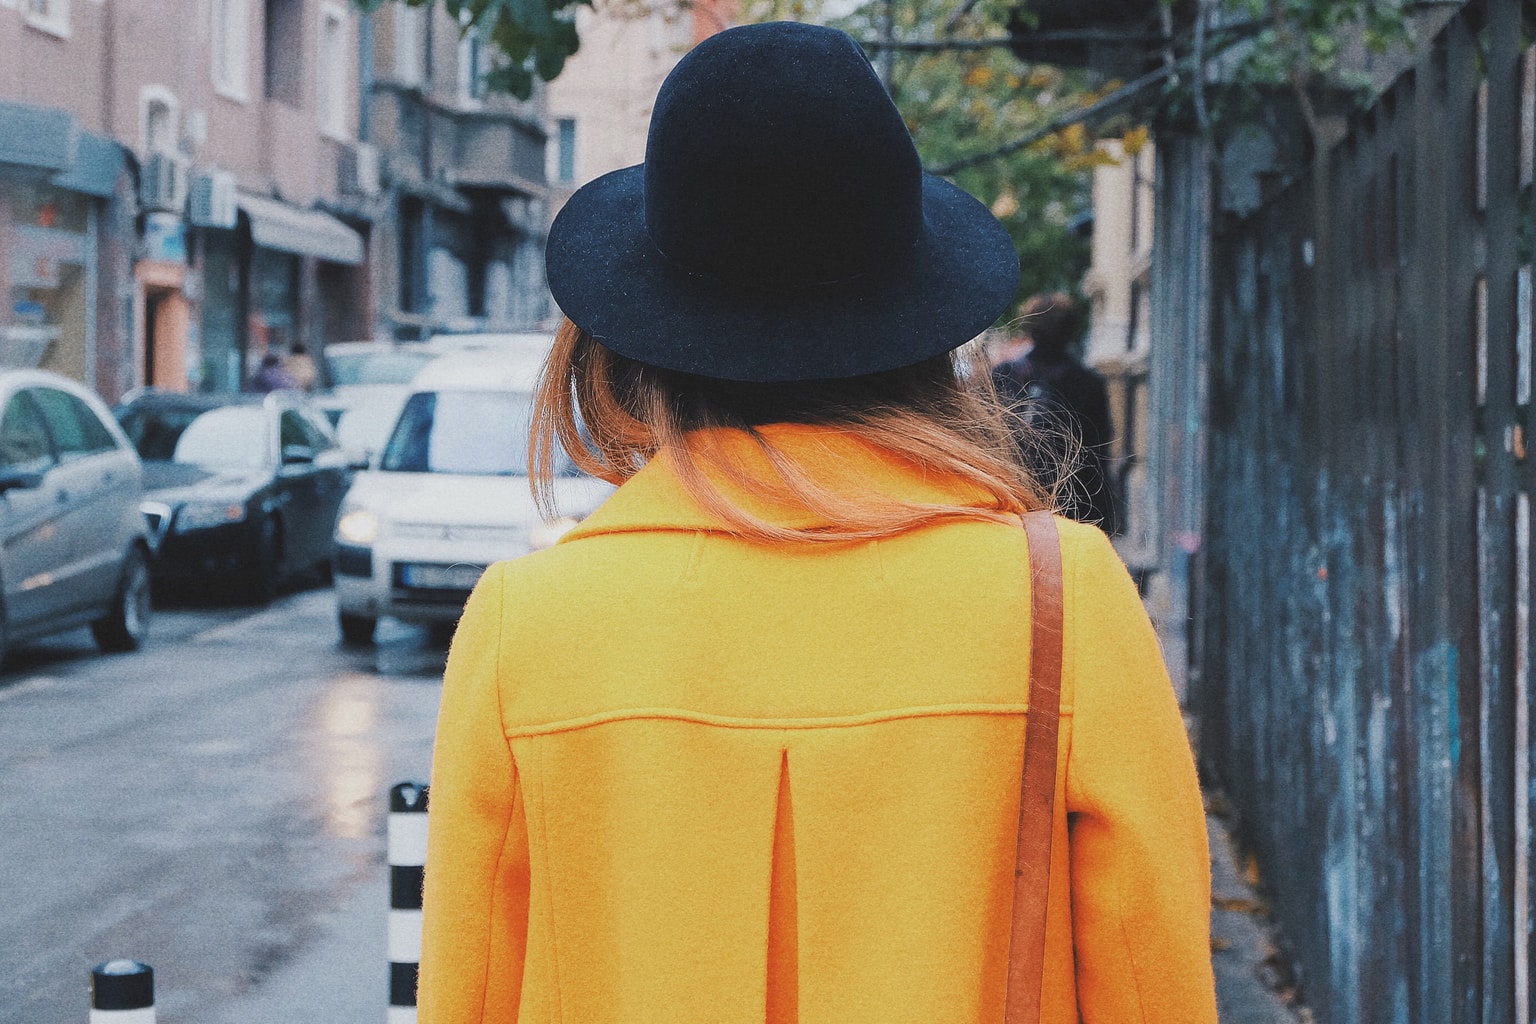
pixel 122 992
pixel 407 858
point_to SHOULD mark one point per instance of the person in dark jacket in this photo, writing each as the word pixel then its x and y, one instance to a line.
pixel 1048 386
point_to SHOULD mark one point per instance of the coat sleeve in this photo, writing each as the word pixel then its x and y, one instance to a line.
pixel 475 903
pixel 1140 863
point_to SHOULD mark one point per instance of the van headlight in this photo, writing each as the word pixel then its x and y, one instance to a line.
pixel 359 526
pixel 545 533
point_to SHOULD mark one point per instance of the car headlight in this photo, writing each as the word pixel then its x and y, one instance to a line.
pixel 203 515
pixel 545 533
pixel 359 526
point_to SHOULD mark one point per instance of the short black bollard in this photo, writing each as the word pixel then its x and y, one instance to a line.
pixel 407 858
pixel 123 992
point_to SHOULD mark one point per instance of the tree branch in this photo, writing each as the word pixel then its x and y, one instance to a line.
pixel 1098 108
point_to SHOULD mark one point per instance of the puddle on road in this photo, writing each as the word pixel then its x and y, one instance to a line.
pixel 402 651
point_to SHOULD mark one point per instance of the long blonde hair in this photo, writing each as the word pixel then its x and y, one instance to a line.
pixel 612 415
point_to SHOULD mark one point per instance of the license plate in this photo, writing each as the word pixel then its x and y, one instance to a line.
pixel 441 577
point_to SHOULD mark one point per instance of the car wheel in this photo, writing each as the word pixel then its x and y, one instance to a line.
pixel 356 629
pixel 126 626
pixel 265 572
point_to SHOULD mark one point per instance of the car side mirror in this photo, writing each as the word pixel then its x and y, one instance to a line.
pixel 297 455
pixel 358 459
pixel 16 478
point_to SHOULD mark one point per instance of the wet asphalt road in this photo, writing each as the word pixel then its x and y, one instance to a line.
pixel 213 805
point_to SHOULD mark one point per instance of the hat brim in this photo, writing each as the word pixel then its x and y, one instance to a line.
pixel 610 279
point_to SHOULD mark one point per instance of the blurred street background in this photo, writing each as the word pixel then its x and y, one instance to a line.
pixel 272 300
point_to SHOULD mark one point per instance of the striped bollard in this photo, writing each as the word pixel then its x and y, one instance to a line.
pixel 122 992
pixel 407 857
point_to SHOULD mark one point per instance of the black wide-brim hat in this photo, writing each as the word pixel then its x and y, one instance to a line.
pixel 781 227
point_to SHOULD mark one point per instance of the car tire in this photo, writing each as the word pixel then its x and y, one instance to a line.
pixel 356 630
pixel 264 573
pixel 126 626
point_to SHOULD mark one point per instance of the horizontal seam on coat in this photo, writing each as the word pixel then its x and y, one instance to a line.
pixel 741 722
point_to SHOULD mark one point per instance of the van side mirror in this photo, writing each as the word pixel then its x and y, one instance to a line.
pixel 16 478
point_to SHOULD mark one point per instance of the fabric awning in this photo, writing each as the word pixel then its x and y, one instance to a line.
pixel 276 225
pixel 98 164
pixel 37 136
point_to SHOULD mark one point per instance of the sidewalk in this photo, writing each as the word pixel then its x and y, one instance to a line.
pixel 1252 980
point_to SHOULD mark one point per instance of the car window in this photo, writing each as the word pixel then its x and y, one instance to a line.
pixel 77 432
pixel 481 433
pixel 24 445
pixel 232 437
pixel 320 429
pixel 296 429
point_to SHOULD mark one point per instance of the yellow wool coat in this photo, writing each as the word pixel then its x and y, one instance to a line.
pixel 682 778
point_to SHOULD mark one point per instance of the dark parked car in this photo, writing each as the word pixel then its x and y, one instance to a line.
pixel 240 490
pixel 73 546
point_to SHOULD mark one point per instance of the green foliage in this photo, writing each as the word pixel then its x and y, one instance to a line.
pixel 534 37
pixel 961 102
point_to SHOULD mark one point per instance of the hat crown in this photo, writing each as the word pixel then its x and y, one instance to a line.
pixel 776 158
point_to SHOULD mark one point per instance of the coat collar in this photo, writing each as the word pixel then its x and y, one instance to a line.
pixel 654 498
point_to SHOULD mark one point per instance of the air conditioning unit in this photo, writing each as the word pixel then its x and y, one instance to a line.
pixel 359 170
pixel 163 183
pixel 212 203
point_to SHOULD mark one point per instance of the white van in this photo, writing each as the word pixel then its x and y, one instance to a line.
pixel 448 495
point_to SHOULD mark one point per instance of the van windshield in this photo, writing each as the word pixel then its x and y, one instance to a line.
pixel 474 433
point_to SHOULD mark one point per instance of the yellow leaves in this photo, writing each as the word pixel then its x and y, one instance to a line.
pixel 1041 78
pixel 978 76
pixel 1071 140
pixel 1090 159
pixel 1134 141
pixel 1005 205
pixel 1012 80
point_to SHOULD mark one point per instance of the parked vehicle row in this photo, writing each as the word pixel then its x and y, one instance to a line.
pixel 241 491
pixel 74 548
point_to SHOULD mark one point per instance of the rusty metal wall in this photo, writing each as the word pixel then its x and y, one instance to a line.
pixel 1365 617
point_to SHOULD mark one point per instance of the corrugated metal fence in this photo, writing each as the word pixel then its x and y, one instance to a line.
pixel 1366 618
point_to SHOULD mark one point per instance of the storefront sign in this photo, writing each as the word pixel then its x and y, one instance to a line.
pixel 165 238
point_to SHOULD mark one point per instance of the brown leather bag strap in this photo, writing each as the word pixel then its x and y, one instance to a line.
pixel 1032 870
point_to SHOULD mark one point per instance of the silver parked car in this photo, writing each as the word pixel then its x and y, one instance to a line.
pixel 73 542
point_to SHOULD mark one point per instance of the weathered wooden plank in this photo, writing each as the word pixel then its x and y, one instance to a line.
pixel 1496 564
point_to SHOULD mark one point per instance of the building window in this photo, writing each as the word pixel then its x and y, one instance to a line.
pixel 51 16
pixel 159 116
pixel 231 48
pixel 408 52
pixel 565 140
pixel 283 46
pixel 472 66
pixel 332 67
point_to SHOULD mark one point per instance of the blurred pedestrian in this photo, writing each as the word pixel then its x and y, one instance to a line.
pixel 1053 393
pixel 301 367
pixel 747 744
pixel 271 375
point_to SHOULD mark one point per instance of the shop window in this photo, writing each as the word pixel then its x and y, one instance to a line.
pixel 51 16
pixel 231 48
pixel 332 67
pixel 409 68
pixel 44 318
pixel 283 39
